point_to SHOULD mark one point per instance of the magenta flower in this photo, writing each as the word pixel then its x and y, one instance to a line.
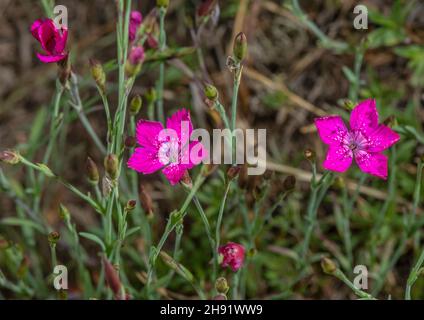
pixel 365 140
pixel 135 21
pixel 169 150
pixel 136 55
pixel 52 40
pixel 232 255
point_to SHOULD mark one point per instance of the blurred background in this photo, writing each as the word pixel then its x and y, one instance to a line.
pixel 305 59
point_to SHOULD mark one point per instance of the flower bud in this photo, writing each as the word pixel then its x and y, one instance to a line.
pixel 98 74
pixel 328 265
pixel 339 183
pixel 151 95
pixel 349 105
pixel 221 285
pixel 92 171
pixel 162 3
pixel 111 166
pixel 112 278
pixel 390 121
pixel 135 105
pixel 240 47
pixel 232 255
pixel 130 205
pixel 64 212
pixel 233 172
pixel 53 237
pixel 211 92
pixel 146 201
pixel 10 157
pixel 186 180
pixel 220 297
pixel 309 155
pixel 135 60
pixel 289 183
pixel 130 142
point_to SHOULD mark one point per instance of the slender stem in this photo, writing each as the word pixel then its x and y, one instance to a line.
pixel 236 85
pixel 361 294
pixel 175 218
pixel 218 225
pixel 162 45
pixel 413 276
pixel 205 223
pixel 77 105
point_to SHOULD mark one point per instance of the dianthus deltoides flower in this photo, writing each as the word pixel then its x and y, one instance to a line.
pixel 169 150
pixel 232 255
pixel 365 140
pixel 135 21
pixel 52 40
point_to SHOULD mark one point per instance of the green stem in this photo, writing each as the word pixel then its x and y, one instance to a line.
pixel 162 45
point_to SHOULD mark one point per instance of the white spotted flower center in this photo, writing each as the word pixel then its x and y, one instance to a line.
pixel 168 152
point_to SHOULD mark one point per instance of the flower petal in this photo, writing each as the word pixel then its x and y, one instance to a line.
pixel 174 172
pixel 339 158
pixel 144 160
pixel 34 28
pixel 180 121
pixel 61 39
pixel 381 139
pixel 331 129
pixel 364 117
pixel 47 35
pixel 51 58
pixel 372 163
pixel 147 133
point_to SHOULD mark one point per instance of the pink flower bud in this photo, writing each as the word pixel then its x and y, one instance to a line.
pixel 232 255
pixel 135 21
pixel 52 40
pixel 136 55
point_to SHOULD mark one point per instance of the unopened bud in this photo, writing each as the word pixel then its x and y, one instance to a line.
pixel 221 285
pixel 339 183
pixel 240 46
pixel 289 183
pixel 53 237
pixel 130 142
pixel 309 155
pixel 328 265
pixel 10 157
pixel 186 180
pixel 233 172
pixel 162 3
pixel 130 205
pixel 112 278
pixel 135 60
pixel 92 171
pixel 151 95
pixel 135 105
pixel 146 201
pixel 111 166
pixel 98 74
pixel 349 105
pixel 211 92
pixel 390 121
pixel 64 212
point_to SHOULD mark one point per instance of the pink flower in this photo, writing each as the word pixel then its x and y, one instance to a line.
pixel 136 55
pixel 167 149
pixel 365 140
pixel 233 255
pixel 52 40
pixel 135 21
